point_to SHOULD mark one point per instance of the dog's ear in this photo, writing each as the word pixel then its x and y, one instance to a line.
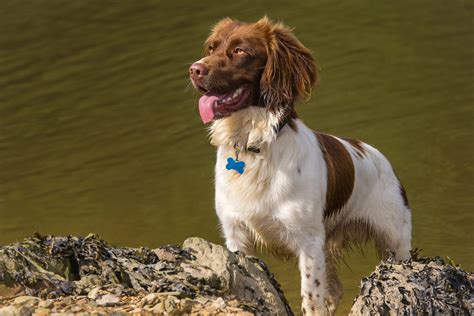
pixel 290 72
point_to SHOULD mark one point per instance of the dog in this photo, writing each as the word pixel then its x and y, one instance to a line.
pixel 277 182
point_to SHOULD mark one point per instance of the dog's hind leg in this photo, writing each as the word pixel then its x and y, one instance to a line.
pixel 403 248
pixel 314 284
pixel 394 234
pixel 398 236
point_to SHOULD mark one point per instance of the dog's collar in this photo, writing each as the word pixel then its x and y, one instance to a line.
pixel 238 165
pixel 282 123
pixel 253 149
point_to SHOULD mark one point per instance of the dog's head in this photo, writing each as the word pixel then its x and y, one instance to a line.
pixel 252 64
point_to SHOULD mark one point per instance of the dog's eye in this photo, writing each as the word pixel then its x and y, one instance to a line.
pixel 210 49
pixel 239 51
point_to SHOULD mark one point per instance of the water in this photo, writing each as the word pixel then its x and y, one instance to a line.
pixel 99 130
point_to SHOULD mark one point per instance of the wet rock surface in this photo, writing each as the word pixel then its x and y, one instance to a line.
pixel 419 286
pixel 45 274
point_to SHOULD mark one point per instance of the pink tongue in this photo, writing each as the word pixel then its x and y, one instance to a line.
pixel 206 107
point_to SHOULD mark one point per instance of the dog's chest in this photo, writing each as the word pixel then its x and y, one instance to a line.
pixel 257 198
pixel 255 185
pixel 269 182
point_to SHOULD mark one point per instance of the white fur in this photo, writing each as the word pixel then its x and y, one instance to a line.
pixel 273 203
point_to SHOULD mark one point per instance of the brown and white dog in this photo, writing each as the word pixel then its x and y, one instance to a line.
pixel 278 182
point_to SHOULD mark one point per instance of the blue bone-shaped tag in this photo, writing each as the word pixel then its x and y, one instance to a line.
pixel 235 165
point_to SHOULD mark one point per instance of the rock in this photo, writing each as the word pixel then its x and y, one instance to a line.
pixel 26 301
pixel 186 305
pixel 86 275
pixel 419 286
pixel 58 304
pixel 170 304
pixel 150 299
pixel 219 304
pixel 46 304
pixel 94 293
pixel 200 277
pixel 76 309
pixel 108 300
pixel 68 300
pixel 9 310
pixel 42 311
pixel 9 291
pixel 248 278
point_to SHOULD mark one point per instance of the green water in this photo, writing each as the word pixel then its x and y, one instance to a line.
pixel 99 130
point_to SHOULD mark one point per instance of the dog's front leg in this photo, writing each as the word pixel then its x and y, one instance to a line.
pixel 312 264
pixel 237 235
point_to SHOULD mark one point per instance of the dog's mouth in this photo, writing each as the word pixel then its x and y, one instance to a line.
pixel 214 106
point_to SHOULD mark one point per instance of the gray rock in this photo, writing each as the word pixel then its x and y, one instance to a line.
pixel 108 300
pixel 46 304
pixel 9 311
pixel 150 299
pixel 87 275
pixel 170 304
pixel 246 277
pixel 419 286
pixel 200 277
pixel 94 293
pixel 26 301
pixel 21 305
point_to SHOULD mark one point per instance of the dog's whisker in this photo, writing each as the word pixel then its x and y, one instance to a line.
pixel 188 86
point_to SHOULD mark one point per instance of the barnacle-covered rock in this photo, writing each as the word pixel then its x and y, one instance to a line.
pixel 71 274
pixel 419 286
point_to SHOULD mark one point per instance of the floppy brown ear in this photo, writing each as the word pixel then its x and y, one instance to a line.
pixel 290 72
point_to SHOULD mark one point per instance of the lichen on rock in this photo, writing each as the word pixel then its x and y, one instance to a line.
pixel 72 274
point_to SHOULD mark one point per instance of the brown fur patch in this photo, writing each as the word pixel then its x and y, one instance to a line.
pixel 357 145
pixel 340 173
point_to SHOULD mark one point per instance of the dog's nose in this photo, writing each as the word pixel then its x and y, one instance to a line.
pixel 197 69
